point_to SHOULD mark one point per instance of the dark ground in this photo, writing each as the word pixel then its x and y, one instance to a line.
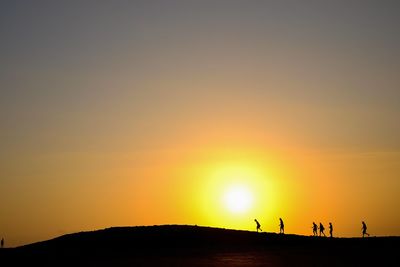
pixel 201 246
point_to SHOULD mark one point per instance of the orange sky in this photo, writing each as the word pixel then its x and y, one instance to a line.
pixel 142 114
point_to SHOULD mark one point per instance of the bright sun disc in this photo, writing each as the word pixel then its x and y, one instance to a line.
pixel 238 199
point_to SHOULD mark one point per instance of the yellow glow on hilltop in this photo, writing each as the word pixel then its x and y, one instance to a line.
pixel 233 193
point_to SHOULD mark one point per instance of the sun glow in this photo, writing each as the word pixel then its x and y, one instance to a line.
pixel 233 193
pixel 238 199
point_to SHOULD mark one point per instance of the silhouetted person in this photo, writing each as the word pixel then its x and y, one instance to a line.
pixel 364 229
pixel 281 226
pixel 321 229
pixel 330 229
pixel 2 243
pixel 314 229
pixel 258 225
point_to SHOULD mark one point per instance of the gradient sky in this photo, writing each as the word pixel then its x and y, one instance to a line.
pixel 143 112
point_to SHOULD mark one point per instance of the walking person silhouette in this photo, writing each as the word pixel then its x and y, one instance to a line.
pixel 281 226
pixel 258 225
pixel 364 229
pixel 314 229
pixel 330 229
pixel 321 229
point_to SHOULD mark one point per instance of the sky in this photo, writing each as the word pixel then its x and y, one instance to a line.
pixel 123 113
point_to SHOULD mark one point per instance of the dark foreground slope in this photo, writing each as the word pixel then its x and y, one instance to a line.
pixel 202 246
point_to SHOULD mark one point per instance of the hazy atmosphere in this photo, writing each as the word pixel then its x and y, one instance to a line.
pixel 120 113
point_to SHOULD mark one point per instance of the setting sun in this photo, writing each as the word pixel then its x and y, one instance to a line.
pixel 238 199
pixel 235 191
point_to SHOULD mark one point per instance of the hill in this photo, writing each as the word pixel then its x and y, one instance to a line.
pixel 177 245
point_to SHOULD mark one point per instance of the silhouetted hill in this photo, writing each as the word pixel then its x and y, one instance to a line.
pixel 175 245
